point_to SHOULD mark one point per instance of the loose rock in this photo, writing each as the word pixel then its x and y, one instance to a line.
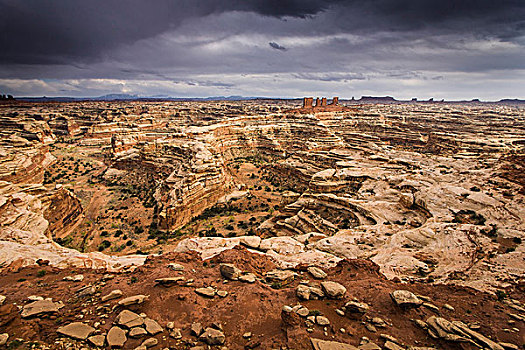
pixel 196 329
pixel 40 307
pixel 282 276
pixel 75 278
pixel 152 327
pixel 206 292
pixel 114 294
pixel 169 281
pixel 176 267
pixel 213 337
pixel 151 342
pixel 97 340
pixel 229 271
pixel 116 337
pixel 129 319
pixel 354 307
pixel 133 300
pixel 137 332
pixel 76 330
pixel 248 278
pixel 333 290
pixel 319 344
pixel 317 272
pixel 405 298
pixel 3 338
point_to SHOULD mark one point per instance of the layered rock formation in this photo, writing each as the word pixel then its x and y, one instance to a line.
pixel 428 192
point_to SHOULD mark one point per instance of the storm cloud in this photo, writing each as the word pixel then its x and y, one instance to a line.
pixel 442 49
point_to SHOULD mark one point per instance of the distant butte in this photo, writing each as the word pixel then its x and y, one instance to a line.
pixel 321 105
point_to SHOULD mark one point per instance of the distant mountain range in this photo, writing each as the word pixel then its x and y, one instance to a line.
pixel 128 97
pixel 363 99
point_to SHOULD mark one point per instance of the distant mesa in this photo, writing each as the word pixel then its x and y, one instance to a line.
pixel 376 99
pixel 6 97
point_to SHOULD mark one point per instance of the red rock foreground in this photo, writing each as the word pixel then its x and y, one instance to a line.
pixel 157 305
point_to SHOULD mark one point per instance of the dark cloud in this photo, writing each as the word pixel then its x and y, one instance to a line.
pixel 57 31
pixel 209 43
pixel 276 46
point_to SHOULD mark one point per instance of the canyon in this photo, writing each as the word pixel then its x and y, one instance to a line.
pixel 425 197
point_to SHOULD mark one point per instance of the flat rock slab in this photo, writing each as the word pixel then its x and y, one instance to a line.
pixel 320 344
pixel 40 307
pixel 152 327
pixel 76 330
pixel 97 340
pixel 137 332
pixel 116 337
pixel 129 319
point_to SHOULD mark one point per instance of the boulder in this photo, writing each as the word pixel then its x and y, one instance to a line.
pixel 354 307
pixel 229 271
pixel 303 292
pixel 333 290
pixel 322 321
pixel 250 241
pixel 76 330
pixel 317 272
pixel 212 337
pixel 282 276
pixel 405 298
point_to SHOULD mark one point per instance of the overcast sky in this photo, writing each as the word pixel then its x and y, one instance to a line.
pixel 452 49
